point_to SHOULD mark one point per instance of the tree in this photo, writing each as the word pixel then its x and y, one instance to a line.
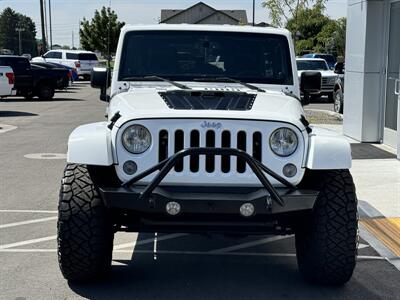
pixel 102 32
pixel 332 37
pixel 9 37
pixel 281 11
pixel 308 23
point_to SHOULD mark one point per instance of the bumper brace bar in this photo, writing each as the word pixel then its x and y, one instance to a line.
pixel 166 166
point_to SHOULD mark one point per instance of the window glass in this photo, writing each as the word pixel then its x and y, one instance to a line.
pixel 311 65
pixel 57 55
pixel 87 56
pixel 187 55
pixel 70 55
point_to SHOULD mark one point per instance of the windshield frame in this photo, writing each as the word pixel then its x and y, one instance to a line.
pixel 289 78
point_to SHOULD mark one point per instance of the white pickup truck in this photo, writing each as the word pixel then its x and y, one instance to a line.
pixel 7 80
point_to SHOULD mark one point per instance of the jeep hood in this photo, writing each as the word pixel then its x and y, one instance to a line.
pixel 147 103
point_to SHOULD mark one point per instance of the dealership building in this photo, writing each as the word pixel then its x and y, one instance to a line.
pixel 372 77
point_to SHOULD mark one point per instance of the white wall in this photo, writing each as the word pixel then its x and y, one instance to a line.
pixel 363 104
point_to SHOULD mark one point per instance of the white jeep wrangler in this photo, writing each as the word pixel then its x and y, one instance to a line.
pixel 206 133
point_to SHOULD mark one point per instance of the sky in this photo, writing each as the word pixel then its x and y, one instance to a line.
pixel 66 14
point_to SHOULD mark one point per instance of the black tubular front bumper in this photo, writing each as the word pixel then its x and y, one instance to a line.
pixel 153 198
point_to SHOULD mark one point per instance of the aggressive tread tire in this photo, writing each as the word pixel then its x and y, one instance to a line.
pixel 326 246
pixel 85 233
pixel 45 92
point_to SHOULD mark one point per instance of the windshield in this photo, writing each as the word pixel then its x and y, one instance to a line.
pixel 82 56
pixel 188 55
pixel 329 58
pixel 311 65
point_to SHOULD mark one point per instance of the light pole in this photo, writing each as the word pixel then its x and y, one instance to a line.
pixel 19 29
pixel 51 29
pixel 254 12
pixel 42 25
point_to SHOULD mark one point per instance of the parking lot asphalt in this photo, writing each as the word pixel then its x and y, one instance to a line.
pixel 145 266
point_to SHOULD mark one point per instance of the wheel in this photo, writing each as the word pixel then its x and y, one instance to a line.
pixel 45 92
pixel 27 95
pixel 86 77
pixel 85 232
pixel 326 245
pixel 338 101
pixel 315 98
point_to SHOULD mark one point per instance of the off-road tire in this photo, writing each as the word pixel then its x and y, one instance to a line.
pixel 45 92
pixel 326 244
pixel 85 233
pixel 338 101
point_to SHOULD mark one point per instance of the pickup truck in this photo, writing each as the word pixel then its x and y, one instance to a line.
pixel 6 81
pixel 31 81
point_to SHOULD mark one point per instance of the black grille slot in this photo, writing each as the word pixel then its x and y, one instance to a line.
pixel 241 145
pixel 210 159
pixel 162 145
pixel 257 146
pixel 225 159
pixel 179 136
pixel 194 142
pixel 201 100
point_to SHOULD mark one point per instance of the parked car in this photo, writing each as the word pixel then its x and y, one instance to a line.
pixel 328 76
pixel 207 137
pixel 7 80
pixel 338 90
pixel 63 81
pixel 73 71
pixel 33 80
pixel 329 58
pixel 83 61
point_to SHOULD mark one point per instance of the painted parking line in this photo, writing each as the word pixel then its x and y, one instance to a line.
pixel 5 128
pixel 28 211
pixel 28 242
pixel 148 241
pixel 27 222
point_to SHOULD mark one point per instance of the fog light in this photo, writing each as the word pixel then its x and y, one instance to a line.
pixel 173 208
pixel 289 170
pixel 130 167
pixel 247 209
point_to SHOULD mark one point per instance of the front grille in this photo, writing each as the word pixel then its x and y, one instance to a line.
pixel 172 142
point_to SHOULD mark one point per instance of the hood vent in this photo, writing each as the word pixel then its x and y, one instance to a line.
pixel 208 100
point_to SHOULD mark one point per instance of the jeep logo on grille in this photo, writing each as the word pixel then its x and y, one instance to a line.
pixel 213 125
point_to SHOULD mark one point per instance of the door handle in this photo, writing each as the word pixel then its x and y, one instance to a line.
pixel 397 87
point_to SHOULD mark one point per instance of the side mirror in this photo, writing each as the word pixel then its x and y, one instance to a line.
pixel 100 78
pixel 310 83
pixel 339 68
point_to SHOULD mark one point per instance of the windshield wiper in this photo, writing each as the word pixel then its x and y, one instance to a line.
pixel 229 79
pixel 156 78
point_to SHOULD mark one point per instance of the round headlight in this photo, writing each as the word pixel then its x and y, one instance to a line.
pixel 136 139
pixel 283 141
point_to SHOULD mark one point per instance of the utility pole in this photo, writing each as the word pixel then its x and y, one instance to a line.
pixel 19 29
pixel 42 25
pixel 45 18
pixel 254 12
pixel 51 28
pixel 73 40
